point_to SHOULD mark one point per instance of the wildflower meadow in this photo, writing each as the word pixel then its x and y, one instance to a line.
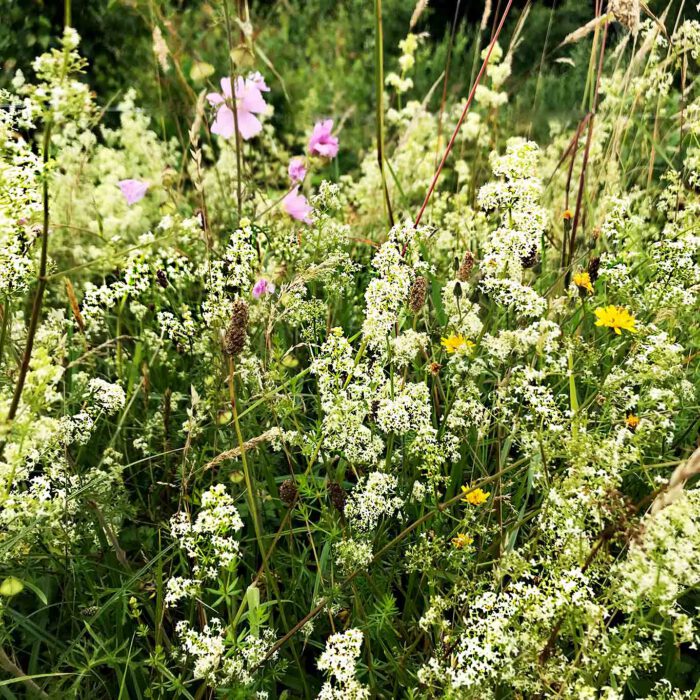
pixel 350 349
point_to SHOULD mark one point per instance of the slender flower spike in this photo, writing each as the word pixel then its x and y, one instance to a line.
pixel 249 102
pixel 474 496
pixel 462 541
pixel 297 206
pixel 133 190
pixel 456 343
pixel 583 281
pixel 617 318
pixel 262 287
pixel 322 142
pixel 297 170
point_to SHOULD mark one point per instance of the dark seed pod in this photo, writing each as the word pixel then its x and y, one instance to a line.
pixel 465 269
pixel 288 492
pixel 337 495
pixel 162 278
pixel 593 268
pixel 530 259
pixel 419 290
pixel 235 336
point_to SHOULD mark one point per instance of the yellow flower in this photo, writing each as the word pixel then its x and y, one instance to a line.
pixel 455 343
pixel 617 318
pixel 567 215
pixel 583 280
pixel 476 496
pixel 461 541
pixel 632 421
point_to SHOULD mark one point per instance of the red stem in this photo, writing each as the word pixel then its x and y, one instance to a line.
pixel 464 114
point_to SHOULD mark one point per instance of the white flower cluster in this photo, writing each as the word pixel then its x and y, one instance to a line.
pixel 339 661
pixel 209 539
pixel 217 660
pixel 665 561
pixel 347 390
pixel 110 398
pixel 522 223
pixel 371 500
pixel 397 262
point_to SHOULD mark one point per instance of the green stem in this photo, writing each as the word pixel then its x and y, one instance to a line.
pixel 41 287
pixel 234 107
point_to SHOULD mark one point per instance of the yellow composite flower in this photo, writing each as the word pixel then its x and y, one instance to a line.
pixel 456 343
pixel 461 541
pixel 617 318
pixel 583 280
pixel 632 421
pixel 475 497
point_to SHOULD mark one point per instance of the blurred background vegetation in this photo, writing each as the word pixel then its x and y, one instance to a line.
pixel 317 55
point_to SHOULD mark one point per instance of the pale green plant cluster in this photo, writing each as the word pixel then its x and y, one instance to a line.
pixel 268 434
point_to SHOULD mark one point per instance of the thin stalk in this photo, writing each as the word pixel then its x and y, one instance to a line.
pixel 586 153
pixel 250 492
pixel 6 313
pixel 470 99
pixel 379 89
pixel 41 286
pixel 234 107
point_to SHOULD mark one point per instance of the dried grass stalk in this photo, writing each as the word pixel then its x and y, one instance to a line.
pixel 674 489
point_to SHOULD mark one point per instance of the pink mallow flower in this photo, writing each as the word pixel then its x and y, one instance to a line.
pixel 133 190
pixel 259 81
pixel 322 142
pixel 263 287
pixel 297 169
pixel 297 206
pixel 249 102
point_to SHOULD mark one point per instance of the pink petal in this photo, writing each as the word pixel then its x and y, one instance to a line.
pixel 248 125
pixel 250 98
pixel 215 98
pixel 259 81
pixel 297 169
pixel 133 190
pixel 297 206
pixel 224 124
pixel 226 87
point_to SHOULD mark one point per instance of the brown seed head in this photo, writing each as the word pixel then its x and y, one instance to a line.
pixel 288 492
pixel 337 495
pixel 465 269
pixel 593 267
pixel 418 293
pixel 234 338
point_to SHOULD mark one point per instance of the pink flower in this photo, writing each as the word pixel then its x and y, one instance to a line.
pixel 259 82
pixel 322 142
pixel 133 190
pixel 296 206
pixel 249 102
pixel 297 169
pixel 263 287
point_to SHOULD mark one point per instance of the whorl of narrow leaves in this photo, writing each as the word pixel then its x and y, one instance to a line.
pixel 417 296
pixel 465 269
pixel 235 336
